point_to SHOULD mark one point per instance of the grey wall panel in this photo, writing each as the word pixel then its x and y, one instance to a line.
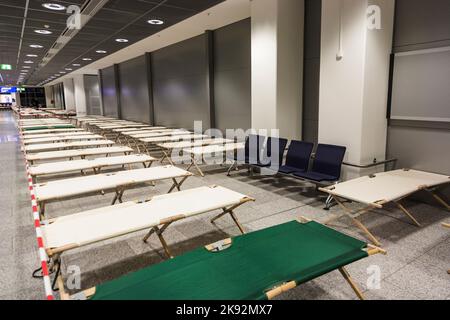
pixel 420 145
pixel 421 24
pixel 134 93
pixel 420 86
pixel 179 84
pixel 93 97
pixel 109 93
pixel 311 80
pixel 232 76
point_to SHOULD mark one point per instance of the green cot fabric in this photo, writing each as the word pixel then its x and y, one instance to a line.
pixel 255 263
pixel 69 126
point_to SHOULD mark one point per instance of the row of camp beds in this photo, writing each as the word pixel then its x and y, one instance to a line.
pixel 177 278
pixel 195 149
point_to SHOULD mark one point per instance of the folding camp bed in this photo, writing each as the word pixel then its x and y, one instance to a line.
pixel 57 134
pixel 150 144
pixel 156 215
pixel 159 133
pixel 377 190
pixel 68 145
pixel 94 164
pixel 121 133
pixel 132 137
pixel 117 181
pixel 37 132
pixel 44 127
pixel 82 153
pixel 169 148
pixel 62 138
pixel 201 155
pixel 256 266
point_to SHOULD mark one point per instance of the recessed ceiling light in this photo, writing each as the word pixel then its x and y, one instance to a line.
pixel 76 65
pixel 101 51
pixel 36 46
pixel 155 22
pixel 25 71
pixel 62 72
pixel 43 32
pixel 32 55
pixel 122 40
pixel 87 59
pixel 26 67
pixel 28 62
pixel 68 69
pixel 54 6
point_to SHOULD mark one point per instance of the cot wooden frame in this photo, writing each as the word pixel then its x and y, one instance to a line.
pixel 55 254
pixel 83 153
pixel 68 145
pixel 118 190
pixel 95 167
pixel 355 214
pixel 270 294
pixel 225 148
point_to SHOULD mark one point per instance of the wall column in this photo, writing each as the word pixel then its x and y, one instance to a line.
pixel 80 95
pixel 69 94
pixel 354 79
pixel 277 65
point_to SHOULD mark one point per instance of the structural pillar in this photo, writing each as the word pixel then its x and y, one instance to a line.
pixel 356 43
pixel 277 66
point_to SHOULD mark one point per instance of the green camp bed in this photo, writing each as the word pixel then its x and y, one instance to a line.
pixel 47 127
pixel 256 266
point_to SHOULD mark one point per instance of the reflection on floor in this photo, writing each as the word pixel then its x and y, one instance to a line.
pixel 415 267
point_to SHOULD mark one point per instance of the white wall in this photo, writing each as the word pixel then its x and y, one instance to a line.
pixel 69 94
pixel 353 90
pixel 277 65
pixel 80 95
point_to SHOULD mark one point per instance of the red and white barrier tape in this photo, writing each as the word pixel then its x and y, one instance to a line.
pixel 37 224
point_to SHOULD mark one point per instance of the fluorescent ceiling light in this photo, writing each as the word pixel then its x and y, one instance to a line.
pixel 32 55
pixel 101 51
pixel 87 59
pixel 122 40
pixel 26 67
pixel 36 46
pixel 62 72
pixel 43 32
pixel 76 65
pixel 155 22
pixel 68 69
pixel 54 6
pixel 28 62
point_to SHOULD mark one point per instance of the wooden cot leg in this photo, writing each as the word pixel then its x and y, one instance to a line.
pixel 197 167
pixel 351 282
pixel 361 226
pixel 233 216
pixel 118 196
pixel 401 207
pixel 441 201
pixel 177 184
pixel 159 233
pixel 358 223
pixel 42 210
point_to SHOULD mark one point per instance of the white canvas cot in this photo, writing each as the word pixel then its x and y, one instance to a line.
pixel 82 153
pixel 117 181
pixel 379 189
pixel 70 232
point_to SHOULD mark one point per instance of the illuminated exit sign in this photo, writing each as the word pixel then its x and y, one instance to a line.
pixel 5 67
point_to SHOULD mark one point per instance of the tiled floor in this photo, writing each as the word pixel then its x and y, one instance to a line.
pixel 415 267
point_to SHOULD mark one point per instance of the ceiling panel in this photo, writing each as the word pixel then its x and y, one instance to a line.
pixel 117 19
